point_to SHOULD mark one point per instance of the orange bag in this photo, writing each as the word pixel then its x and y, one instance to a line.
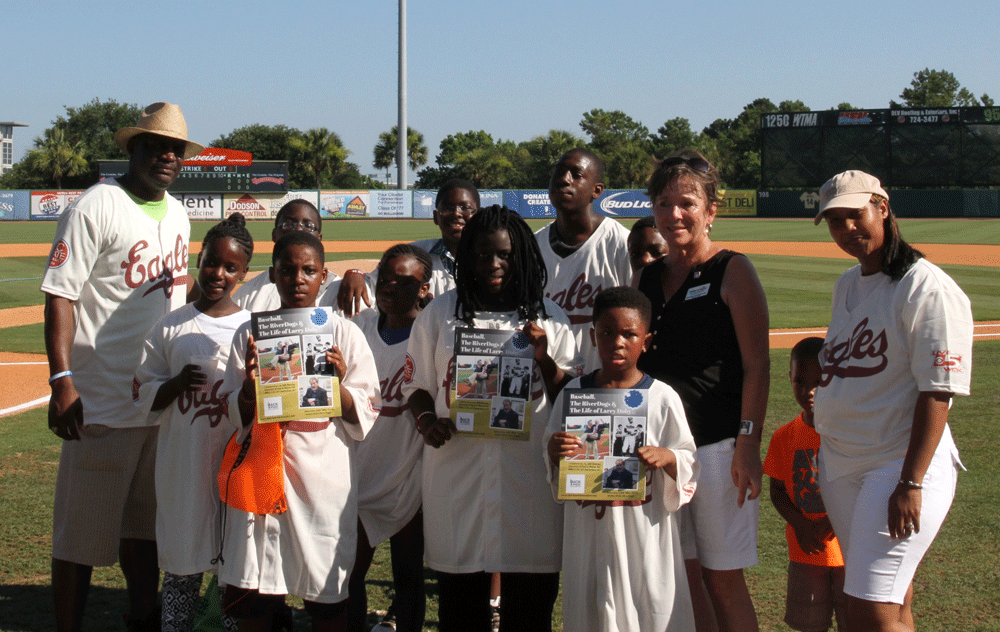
pixel 252 474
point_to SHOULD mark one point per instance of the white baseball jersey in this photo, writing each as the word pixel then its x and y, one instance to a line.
pixel 601 262
pixel 487 505
pixel 124 270
pixel 900 338
pixel 309 550
pixel 260 295
pixel 390 459
pixel 623 568
pixel 192 437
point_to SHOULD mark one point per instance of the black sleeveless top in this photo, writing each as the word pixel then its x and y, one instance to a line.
pixel 694 348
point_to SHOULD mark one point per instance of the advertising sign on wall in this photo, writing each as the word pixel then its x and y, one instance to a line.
pixel 262 205
pixel 344 204
pixel 201 205
pixel 423 201
pixel 14 204
pixel 623 203
pixel 423 204
pixel 309 195
pixel 391 203
pixel 741 202
pixel 51 204
pixel 251 205
pixel 490 197
pixel 530 204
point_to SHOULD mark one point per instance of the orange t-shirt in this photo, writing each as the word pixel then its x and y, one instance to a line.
pixel 791 458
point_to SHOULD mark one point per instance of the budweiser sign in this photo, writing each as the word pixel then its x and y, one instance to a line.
pixel 220 156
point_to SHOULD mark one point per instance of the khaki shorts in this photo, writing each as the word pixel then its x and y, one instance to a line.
pixel 814 594
pixel 105 492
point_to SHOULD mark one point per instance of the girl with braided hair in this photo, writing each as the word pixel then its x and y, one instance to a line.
pixel 389 460
pixel 177 384
pixel 487 504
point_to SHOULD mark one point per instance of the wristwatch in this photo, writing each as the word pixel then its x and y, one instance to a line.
pixel 746 427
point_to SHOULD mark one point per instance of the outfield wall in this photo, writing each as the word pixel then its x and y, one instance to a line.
pixel 943 203
pixel 531 204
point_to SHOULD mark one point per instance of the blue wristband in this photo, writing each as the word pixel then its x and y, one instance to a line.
pixel 59 375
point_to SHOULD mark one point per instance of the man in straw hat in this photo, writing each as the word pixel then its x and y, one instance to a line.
pixel 118 263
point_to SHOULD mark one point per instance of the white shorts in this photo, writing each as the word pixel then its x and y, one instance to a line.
pixel 877 567
pixel 725 535
pixel 105 491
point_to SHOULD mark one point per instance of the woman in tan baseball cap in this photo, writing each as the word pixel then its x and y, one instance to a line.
pixel 898 348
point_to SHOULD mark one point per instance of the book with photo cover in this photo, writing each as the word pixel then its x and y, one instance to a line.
pixel 611 423
pixel 491 383
pixel 294 380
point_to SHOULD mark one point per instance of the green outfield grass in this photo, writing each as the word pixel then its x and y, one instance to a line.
pixel 798 288
pixel 932 231
pixel 955 588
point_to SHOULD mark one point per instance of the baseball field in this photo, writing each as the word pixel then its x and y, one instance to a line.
pixel 955 588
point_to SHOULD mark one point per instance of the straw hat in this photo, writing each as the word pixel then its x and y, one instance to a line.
pixel 162 119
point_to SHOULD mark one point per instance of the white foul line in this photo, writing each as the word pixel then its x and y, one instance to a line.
pixel 13 409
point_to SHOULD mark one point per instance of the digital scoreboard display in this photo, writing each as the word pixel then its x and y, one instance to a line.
pixel 218 170
pixel 904 147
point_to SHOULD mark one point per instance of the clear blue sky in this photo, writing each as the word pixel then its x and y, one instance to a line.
pixel 515 69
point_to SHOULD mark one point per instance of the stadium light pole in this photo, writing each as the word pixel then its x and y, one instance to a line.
pixel 401 159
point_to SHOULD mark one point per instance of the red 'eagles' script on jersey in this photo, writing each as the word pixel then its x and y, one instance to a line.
pixel 865 347
pixel 161 272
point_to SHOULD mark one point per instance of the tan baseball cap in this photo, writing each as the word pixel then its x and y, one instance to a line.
pixel 850 189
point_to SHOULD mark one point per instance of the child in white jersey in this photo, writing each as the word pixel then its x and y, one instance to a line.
pixel 622 563
pixel 487 505
pixel 184 394
pixel 389 459
pixel 308 549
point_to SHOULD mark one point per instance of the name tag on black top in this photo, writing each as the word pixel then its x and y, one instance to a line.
pixel 697 291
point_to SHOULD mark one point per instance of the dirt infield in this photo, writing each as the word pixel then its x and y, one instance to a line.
pixel 29 372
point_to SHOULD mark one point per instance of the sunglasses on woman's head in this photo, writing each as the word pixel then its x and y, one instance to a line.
pixel 698 164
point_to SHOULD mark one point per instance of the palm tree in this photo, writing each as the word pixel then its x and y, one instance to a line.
pixel 385 149
pixel 58 156
pixel 322 151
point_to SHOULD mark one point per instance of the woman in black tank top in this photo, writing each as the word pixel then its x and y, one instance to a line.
pixel 710 343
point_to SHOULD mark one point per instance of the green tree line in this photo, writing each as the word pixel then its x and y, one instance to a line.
pixel 66 154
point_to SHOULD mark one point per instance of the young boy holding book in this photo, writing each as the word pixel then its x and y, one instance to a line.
pixel 622 563
pixel 308 549
pixel 816 566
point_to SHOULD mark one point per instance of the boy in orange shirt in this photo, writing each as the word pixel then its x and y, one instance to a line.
pixel 816 566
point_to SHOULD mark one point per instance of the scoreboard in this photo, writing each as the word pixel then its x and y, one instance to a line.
pixel 904 147
pixel 217 170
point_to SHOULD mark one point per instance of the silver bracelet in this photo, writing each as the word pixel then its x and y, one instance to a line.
pixel 910 484
pixel 420 416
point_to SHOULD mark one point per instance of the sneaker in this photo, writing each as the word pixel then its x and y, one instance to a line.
pixel 387 624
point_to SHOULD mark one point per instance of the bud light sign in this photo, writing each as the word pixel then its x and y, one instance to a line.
pixel 623 204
